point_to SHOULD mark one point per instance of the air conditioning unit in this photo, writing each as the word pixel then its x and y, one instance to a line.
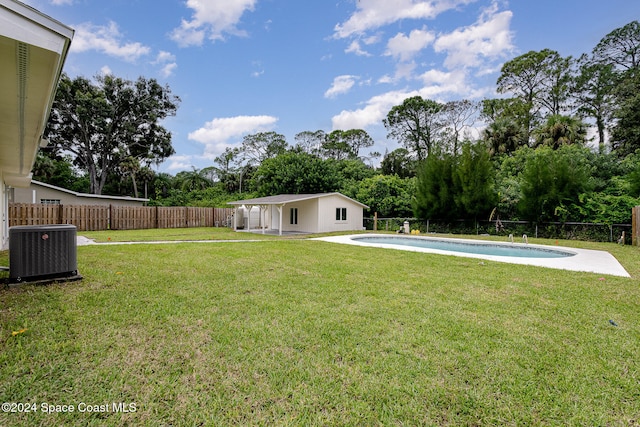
pixel 42 252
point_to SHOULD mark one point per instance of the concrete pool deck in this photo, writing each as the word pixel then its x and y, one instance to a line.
pixel 585 260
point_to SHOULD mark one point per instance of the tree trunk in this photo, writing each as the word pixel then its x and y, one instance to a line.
pixel 135 185
pixel 601 140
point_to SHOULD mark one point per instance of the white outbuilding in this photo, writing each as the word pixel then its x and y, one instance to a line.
pixel 301 213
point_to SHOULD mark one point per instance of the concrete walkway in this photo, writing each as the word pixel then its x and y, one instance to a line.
pixel 84 241
pixel 587 260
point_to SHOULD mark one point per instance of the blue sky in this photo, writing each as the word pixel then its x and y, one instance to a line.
pixel 247 66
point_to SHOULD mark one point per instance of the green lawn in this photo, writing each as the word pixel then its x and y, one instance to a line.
pixel 297 332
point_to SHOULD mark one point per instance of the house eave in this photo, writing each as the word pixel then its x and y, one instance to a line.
pixel 33 48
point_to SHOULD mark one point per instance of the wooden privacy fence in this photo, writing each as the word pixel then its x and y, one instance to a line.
pixel 635 226
pixel 111 217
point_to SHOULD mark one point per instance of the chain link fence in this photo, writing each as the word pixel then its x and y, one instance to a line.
pixel 549 230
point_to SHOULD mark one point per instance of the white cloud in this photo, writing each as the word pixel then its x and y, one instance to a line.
pixel 372 113
pixel 179 162
pixel 341 84
pixel 489 38
pixel 211 19
pixel 404 47
pixel 106 70
pixel 223 132
pixel 168 69
pixel 188 34
pixel 437 85
pixel 61 2
pixel 354 47
pixel 167 61
pixel 108 40
pixel 404 71
pixel 164 57
pixel 372 14
pixel 259 69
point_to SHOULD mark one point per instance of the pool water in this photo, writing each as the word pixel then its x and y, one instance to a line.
pixel 481 248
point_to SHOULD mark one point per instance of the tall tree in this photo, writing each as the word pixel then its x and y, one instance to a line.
pixel 398 162
pixel 552 181
pixel 231 169
pixel 435 188
pixel 593 92
pixel 625 134
pixel 621 47
pixel 310 142
pixel 357 140
pixel 540 80
pixel 131 166
pixel 103 123
pixel 147 175
pixel 456 117
pixel 346 144
pixel 474 181
pixel 415 123
pixel 620 51
pixel 336 146
pixel 261 146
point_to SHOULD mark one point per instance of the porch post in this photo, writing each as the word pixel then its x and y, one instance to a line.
pixel 280 219
pixel 249 207
pixel 235 218
pixel 263 216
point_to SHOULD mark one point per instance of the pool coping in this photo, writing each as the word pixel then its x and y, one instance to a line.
pixel 585 260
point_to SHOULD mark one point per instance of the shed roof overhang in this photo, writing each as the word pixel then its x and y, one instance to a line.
pixel 33 48
pixel 87 195
pixel 283 199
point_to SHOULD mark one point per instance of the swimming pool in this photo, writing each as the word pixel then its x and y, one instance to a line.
pixel 469 246
pixel 559 257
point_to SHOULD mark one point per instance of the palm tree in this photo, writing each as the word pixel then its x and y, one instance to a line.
pixel 503 136
pixel 560 130
pixel 146 174
pixel 131 166
pixel 192 180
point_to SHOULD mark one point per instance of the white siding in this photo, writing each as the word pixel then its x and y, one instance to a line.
pixel 316 212
pixel 244 219
pixel 307 216
pixel 327 214
pixel 35 193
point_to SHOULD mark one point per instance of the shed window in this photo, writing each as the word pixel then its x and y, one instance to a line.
pixel 50 201
pixel 293 216
pixel 341 214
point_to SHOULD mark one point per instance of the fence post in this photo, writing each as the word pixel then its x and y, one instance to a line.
pixel 611 232
pixel 375 221
pixel 634 225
